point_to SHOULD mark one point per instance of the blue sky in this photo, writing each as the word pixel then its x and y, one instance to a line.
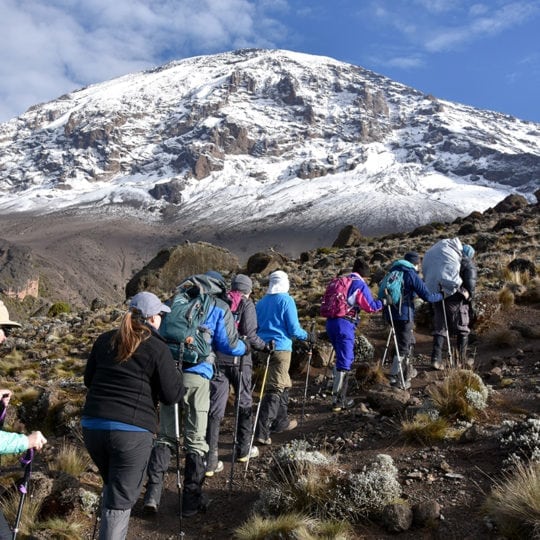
pixel 485 54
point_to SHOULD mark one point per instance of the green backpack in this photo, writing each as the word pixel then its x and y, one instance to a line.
pixel 183 328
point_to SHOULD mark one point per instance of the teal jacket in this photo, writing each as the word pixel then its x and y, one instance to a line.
pixel 12 443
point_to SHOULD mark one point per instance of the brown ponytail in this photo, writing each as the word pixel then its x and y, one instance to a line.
pixel 132 332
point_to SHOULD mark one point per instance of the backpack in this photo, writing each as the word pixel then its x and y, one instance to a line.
pixel 334 301
pixel 441 265
pixel 392 283
pixel 183 328
pixel 235 299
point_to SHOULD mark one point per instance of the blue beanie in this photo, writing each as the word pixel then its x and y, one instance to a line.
pixel 468 251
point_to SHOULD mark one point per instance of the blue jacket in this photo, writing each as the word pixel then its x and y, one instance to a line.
pixel 220 322
pixel 413 286
pixel 277 317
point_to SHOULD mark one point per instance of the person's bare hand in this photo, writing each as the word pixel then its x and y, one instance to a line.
pixel 36 440
pixel 5 396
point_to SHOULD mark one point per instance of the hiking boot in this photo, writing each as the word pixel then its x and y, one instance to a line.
pixel 217 468
pixel 150 507
pixel 411 373
pixel 189 509
pixel 264 442
pixel 252 455
pixel 338 407
pixel 292 424
pixel 437 364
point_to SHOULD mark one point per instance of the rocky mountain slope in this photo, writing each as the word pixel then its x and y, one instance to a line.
pixel 444 483
pixel 247 149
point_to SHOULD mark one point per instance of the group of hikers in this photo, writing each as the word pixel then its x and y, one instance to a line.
pixel 160 382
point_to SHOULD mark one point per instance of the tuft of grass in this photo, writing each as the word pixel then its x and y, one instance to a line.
pixel 61 529
pixel 514 503
pixel 424 429
pixel 29 516
pixel 462 394
pixel 507 298
pixel 292 526
pixel 71 459
pixel 369 374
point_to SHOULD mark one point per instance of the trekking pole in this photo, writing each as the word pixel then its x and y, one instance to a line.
pixel 26 462
pixel 390 334
pixel 236 421
pixel 450 358
pixel 97 511
pixel 258 409
pixel 397 348
pixel 310 354
pixel 178 480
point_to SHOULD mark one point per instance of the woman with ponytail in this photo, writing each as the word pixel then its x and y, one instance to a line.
pixel 128 372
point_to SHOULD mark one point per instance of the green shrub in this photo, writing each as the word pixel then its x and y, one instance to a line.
pixel 57 308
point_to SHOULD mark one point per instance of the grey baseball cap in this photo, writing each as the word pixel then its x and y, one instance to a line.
pixel 148 304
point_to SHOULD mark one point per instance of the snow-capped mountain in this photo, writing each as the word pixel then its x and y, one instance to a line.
pixel 262 140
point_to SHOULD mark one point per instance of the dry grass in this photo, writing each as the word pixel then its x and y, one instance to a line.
pixel 424 430
pixel 292 527
pixel 71 459
pixel 507 298
pixel 62 529
pixel 29 515
pixel 461 394
pixel 514 503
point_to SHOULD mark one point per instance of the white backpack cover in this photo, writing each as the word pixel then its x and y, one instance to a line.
pixel 441 264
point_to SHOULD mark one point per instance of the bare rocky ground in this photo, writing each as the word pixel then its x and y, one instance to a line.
pixel 457 475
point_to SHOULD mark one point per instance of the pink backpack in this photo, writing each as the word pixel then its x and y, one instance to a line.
pixel 334 301
pixel 235 298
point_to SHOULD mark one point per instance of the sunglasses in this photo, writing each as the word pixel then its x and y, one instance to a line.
pixel 6 331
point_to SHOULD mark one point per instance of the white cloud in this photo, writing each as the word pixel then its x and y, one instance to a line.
pixel 50 47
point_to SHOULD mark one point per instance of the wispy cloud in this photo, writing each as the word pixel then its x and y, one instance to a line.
pixel 53 46
pixel 481 23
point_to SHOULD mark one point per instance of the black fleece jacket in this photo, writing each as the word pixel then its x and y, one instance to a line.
pixel 129 391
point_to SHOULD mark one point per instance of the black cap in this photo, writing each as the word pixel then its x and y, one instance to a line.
pixel 412 257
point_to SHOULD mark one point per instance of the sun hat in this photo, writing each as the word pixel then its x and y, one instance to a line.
pixel 278 282
pixel 4 316
pixel 148 304
pixel 242 283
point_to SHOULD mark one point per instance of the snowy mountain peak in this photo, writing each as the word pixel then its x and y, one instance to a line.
pixel 264 140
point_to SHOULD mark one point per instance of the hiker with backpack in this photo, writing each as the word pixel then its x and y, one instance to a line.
pixel 129 369
pixel 344 298
pixel 12 443
pixel 199 325
pixel 448 266
pixel 401 285
pixel 235 371
pixel 277 317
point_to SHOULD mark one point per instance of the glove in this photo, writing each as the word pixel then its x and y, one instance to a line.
pixel 387 300
pixel 248 346
pixel 270 346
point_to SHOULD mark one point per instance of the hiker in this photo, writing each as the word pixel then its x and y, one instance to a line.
pixel 128 370
pixel 402 313
pixel 12 443
pixel 277 316
pixel 451 317
pixel 341 328
pixel 221 335
pixel 228 373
